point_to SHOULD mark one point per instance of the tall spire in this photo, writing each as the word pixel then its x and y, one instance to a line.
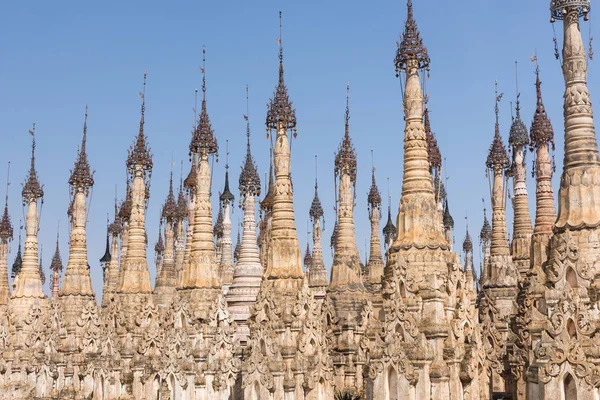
pixel 248 270
pixel 28 286
pixel 77 280
pixel 389 230
pixel 346 269
pixel 317 276
pixel 166 277
pixel 579 194
pixel 18 261
pixel 522 230
pixel 542 141
pixel 56 266
pixel 226 198
pixel 6 236
pixel 375 262
pixel 200 279
pixel 415 227
pixel 134 274
pixel 284 257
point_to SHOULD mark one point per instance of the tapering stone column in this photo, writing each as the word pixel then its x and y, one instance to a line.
pixel 375 264
pixel 135 281
pixel 521 238
pixel 200 281
pixel 248 270
pixel 542 137
pixel 317 276
pixel 28 284
pixel 190 183
pixel 6 236
pixel 166 278
pixel 180 234
pixel 226 262
pixel 76 290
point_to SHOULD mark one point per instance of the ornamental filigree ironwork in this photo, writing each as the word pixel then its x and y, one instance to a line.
pixel 411 47
pixel 32 189
pixel 467 243
pixel 345 158
pixel 6 228
pixel 316 209
pixel 541 128
pixel 281 113
pixel 249 182
pixel 560 8
pixel 518 136
pixel 434 156
pixel 169 209
pixel 139 155
pixel 56 264
pixel 497 156
pixel 486 230
pixel 182 205
pixel 203 139
pixel 374 196
pixel 81 175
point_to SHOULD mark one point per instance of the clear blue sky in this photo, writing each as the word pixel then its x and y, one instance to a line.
pixel 57 57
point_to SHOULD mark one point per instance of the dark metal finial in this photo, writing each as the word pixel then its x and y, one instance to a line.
pixel 542 132
pixel 139 152
pixel 203 140
pixel 345 158
pixel 32 189
pixel 389 230
pixel 497 156
pixel 82 178
pixel 316 209
pixel 6 228
pixel 374 196
pixel 410 48
pixel 249 181
pixel 560 8
pixel 280 38
pixel 203 69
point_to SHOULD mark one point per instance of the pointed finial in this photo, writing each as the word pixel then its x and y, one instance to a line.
pixel 486 230
pixel 345 158
pixel 347 115
pixel 389 230
pixel 411 52
pixel 249 181
pixel 226 197
pixel 316 209
pixel 32 189
pixel 373 197
pixel 81 176
pixel 6 228
pixel 542 132
pixel 203 139
pixel 139 153
pixel 169 210
pixel 497 156
pixel 280 38
pixel 518 136
pixel 56 264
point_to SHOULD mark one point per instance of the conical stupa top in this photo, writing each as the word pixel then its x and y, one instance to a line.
pixel 467 243
pixel 203 138
pixel 18 263
pixel 182 206
pixel 218 228
pixel 316 210
pixel 81 176
pixel 139 153
pixel 159 247
pixel 116 226
pixel 169 209
pixel 106 257
pixel 518 137
pixel 32 189
pixel 448 220
pixel 486 229
pixel 6 228
pixel 541 128
pixel 389 230
pixel 307 257
pixel 56 264
pixel 226 197
pixel 281 110
pixel 497 156
pixel 374 197
pixel 249 183
pixel 125 209
pixel 433 151
pixel 345 158
pixel 411 46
